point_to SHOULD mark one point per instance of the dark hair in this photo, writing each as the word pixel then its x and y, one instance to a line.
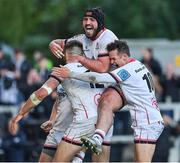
pixel 74 43
pixel 97 14
pixel 150 50
pixel 121 46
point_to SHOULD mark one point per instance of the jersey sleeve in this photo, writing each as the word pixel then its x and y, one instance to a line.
pixel 93 77
pixel 105 40
pixel 120 74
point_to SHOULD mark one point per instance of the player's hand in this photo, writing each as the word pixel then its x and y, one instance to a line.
pixel 61 72
pixel 13 124
pixel 56 49
pixel 47 126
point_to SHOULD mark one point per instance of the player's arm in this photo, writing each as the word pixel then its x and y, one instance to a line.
pixel 57 46
pixel 100 65
pixel 47 126
pixel 88 76
pixel 35 98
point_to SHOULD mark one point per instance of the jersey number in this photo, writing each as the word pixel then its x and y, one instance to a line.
pixel 149 81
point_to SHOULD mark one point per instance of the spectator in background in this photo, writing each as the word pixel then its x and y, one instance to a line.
pixel 150 62
pixel 14 145
pixel 155 68
pixel 43 70
pixel 8 88
pixel 171 85
pixel 165 143
pixel 37 56
pixel 22 69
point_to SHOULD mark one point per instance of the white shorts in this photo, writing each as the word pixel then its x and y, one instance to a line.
pixel 77 130
pixel 53 139
pixel 148 133
pixel 108 137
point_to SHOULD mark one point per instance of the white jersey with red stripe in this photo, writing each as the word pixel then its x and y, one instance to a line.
pixel 83 95
pixel 64 111
pixel 137 86
pixel 96 48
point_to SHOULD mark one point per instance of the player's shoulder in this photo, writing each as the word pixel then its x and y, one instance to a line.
pixel 76 66
pixel 78 37
pixel 107 37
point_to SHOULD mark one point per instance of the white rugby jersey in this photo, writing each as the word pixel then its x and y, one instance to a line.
pixel 83 95
pixel 137 86
pixel 96 48
pixel 64 114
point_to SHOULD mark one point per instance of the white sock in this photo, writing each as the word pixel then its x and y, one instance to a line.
pixel 79 157
pixel 99 136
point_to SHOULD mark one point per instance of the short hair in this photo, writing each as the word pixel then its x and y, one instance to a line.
pixel 150 50
pixel 121 46
pixel 75 47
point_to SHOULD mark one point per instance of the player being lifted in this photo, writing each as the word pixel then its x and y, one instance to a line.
pixel 84 99
pixel 136 83
pixel 64 113
pixel 94 40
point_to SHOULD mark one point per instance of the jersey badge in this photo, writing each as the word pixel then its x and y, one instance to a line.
pixel 123 74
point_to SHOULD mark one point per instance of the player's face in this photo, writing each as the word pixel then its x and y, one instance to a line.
pixel 116 58
pixel 71 58
pixel 90 26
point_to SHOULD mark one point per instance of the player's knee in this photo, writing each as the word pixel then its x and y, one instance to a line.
pixel 111 100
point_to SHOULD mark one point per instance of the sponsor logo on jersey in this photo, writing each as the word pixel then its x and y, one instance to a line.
pixel 79 65
pixel 123 74
pixel 86 48
pixel 97 46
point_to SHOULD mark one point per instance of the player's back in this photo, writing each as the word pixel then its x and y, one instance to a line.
pixel 83 95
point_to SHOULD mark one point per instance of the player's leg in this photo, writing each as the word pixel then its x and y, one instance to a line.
pixel 71 144
pixel 50 145
pixel 66 151
pixel 79 157
pixel 144 152
pixel 47 155
pixel 145 138
pixel 106 146
pixel 104 156
pixel 110 102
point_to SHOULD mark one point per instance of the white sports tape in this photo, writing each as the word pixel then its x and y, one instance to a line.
pixel 47 88
pixel 34 99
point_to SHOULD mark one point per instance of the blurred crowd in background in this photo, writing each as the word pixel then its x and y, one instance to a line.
pixel 20 76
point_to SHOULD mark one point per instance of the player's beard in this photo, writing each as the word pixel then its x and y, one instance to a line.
pixel 91 34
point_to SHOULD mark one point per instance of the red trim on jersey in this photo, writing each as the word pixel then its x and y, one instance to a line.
pixel 114 77
pixel 99 34
pixel 71 141
pixel 84 109
pixel 131 60
pixel 146 113
pixel 106 143
pixel 135 116
pixel 144 142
